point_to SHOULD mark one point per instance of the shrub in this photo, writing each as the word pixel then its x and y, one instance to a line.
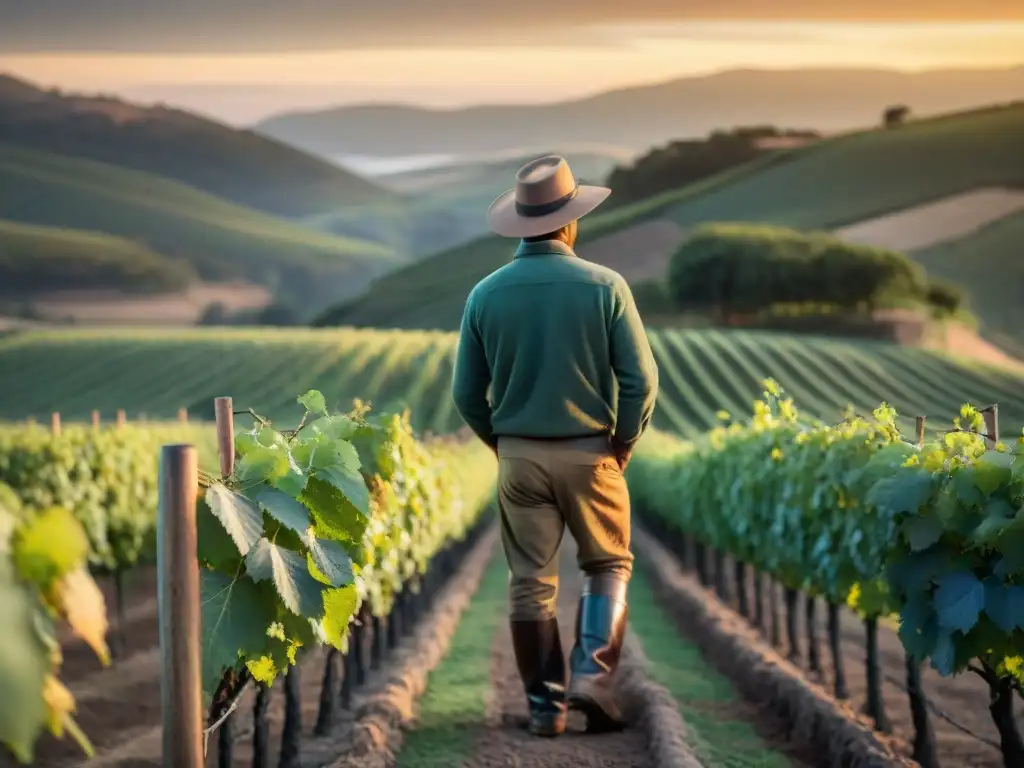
pixel 742 269
pixel 948 298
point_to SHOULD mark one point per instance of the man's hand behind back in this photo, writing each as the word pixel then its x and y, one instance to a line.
pixel 622 453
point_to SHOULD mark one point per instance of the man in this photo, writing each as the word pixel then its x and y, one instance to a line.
pixel 559 343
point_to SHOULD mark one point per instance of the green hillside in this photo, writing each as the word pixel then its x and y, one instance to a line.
pixel 238 165
pixel 822 186
pixel 701 373
pixel 34 257
pixel 219 239
pixel 989 264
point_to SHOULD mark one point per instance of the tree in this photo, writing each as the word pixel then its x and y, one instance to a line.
pixel 895 116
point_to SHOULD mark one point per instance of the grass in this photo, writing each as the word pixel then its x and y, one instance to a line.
pixel 452 710
pixel 71 259
pixel 988 264
pixel 217 238
pixel 157 371
pixel 706 700
pixel 821 186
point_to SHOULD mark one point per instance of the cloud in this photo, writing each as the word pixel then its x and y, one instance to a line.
pixel 274 25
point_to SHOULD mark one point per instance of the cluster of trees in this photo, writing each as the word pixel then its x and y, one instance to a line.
pixel 684 162
pixel 742 269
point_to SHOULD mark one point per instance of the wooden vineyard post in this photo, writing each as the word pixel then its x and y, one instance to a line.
pixel 224 413
pixel 183 415
pixel 95 418
pixel 919 430
pixel 178 603
pixel 55 424
pixel 120 418
pixel 223 410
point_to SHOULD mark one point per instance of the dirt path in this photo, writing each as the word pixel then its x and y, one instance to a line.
pixel 508 743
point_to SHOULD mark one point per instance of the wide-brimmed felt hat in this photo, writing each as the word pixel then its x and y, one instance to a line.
pixel 546 198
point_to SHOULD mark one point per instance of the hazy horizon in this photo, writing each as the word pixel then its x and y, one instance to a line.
pixel 242 86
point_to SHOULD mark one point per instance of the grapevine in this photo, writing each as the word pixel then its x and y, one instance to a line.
pixel 858 514
pixel 315 522
pixel 43 581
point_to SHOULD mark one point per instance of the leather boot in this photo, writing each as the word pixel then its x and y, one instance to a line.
pixel 600 630
pixel 538 649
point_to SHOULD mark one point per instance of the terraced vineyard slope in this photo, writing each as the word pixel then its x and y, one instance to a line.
pixel 156 372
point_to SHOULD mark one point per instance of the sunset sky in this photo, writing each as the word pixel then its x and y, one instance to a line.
pixel 243 59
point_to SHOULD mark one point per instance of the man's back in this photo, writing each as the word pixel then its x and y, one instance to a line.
pixel 560 337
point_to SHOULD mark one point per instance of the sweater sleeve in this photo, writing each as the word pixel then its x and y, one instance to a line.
pixel 634 367
pixel 472 377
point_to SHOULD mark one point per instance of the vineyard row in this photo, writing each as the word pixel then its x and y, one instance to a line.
pixel 857 515
pixel 297 532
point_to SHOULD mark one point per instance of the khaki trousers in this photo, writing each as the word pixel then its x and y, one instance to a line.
pixel 544 486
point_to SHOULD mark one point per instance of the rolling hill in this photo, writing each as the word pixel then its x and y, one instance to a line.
pixel 68 259
pixel 701 372
pixel 826 185
pixel 637 118
pixel 238 165
pixel 220 240
pixel 447 205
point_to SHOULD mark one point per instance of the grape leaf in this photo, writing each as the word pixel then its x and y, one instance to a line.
pixel 214 545
pixel 82 604
pixel 966 487
pixel 285 509
pixel 299 591
pixel 1011 546
pixel 240 517
pixel 49 545
pixel 991 527
pixel 905 492
pixel 314 402
pixel 331 560
pixel 1004 604
pixel 261 464
pixel 914 573
pixel 922 532
pixel 340 605
pixel 959 599
pixel 235 614
pixel 337 515
pixel 991 473
pixel 944 654
pixel 24 665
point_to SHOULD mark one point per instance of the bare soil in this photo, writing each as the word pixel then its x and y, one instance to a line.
pixel 965 735
pixel 923 226
pixel 508 743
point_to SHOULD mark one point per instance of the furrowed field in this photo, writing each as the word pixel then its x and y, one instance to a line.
pixel 154 373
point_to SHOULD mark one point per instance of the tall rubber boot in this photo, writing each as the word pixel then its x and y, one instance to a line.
pixel 538 650
pixel 600 630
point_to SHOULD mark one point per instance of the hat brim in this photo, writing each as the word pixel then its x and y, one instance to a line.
pixel 504 220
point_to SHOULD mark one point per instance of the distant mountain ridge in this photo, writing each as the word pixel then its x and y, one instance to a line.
pixel 238 165
pixel 639 117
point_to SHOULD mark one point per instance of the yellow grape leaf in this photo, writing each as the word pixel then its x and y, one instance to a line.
pixel 59 706
pixel 81 602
